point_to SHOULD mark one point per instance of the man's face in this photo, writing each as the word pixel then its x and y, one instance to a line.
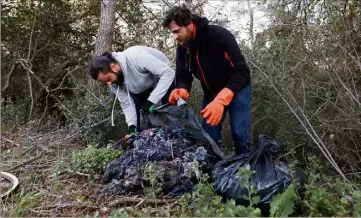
pixel 182 34
pixel 112 77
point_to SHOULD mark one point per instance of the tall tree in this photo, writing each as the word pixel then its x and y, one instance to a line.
pixel 251 21
pixel 188 3
pixel 105 37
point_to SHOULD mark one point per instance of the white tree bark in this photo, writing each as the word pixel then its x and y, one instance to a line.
pixel 105 34
pixel 251 22
pixel 188 3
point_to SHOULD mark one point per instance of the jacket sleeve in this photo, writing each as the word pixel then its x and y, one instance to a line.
pixel 240 75
pixel 184 76
pixel 126 103
pixel 160 69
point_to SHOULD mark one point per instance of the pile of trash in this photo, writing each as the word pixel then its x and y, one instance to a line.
pixel 174 158
pixel 173 151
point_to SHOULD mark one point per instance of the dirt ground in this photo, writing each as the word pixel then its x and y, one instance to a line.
pixel 47 185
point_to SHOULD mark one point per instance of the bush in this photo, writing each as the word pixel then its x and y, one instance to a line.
pixel 12 115
pixel 329 196
pixel 93 160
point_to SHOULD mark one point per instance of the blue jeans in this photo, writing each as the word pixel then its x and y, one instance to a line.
pixel 240 120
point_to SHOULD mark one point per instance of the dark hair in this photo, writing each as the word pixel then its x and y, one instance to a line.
pixel 101 64
pixel 181 15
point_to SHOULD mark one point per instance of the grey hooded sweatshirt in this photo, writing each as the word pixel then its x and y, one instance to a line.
pixel 143 68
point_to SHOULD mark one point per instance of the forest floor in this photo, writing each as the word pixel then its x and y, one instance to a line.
pixel 48 187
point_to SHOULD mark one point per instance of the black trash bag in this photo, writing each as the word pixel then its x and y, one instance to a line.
pixel 175 158
pixel 271 177
pixel 179 117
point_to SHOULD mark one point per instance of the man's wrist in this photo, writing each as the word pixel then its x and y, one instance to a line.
pixel 132 129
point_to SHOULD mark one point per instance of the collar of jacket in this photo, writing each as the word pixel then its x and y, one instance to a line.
pixel 199 23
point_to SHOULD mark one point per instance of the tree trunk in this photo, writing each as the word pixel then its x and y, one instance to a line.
pixel 104 38
pixel 251 22
pixel 188 3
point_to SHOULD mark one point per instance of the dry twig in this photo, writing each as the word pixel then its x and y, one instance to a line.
pixel 136 201
pixel 10 141
pixel 28 161
pixel 64 172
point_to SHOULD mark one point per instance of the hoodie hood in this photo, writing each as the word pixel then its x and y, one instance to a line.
pixel 120 57
pixel 200 23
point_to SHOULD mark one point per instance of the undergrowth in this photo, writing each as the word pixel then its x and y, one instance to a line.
pixel 93 160
pixel 205 202
pixel 322 197
pixel 327 196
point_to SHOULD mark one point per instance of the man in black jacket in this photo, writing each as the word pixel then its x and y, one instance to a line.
pixel 212 55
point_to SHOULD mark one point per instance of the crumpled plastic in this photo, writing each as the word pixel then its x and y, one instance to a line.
pixel 177 160
pixel 270 178
pixel 179 117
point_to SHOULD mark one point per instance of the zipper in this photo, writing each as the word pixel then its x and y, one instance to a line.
pixel 204 78
pixel 228 59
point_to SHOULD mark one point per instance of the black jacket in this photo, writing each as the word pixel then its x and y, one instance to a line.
pixel 213 57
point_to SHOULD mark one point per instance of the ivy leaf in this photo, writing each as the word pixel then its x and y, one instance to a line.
pixel 344 200
pixel 282 204
pixel 256 200
pixel 356 194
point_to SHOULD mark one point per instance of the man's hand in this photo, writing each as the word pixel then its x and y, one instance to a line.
pixel 178 93
pixel 148 107
pixel 213 112
pixel 132 132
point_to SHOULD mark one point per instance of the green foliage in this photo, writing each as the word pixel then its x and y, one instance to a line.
pixel 93 160
pixel 282 204
pixel 25 202
pixel 338 199
pixel 329 196
pixel 308 59
pixel 205 202
pixel 150 176
pixel 90 112
pixel 144 212
pixel 12 115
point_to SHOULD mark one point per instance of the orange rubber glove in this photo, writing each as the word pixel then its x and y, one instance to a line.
pixel 213 112
pixel 225 96
pixel 178 93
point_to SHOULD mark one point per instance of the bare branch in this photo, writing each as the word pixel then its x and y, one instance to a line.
pixel 31 37
pixel 31 94
pixel 10 141
pixel 63 106
pixel 135 201
pixel 101 102
pixel 27 161
pixel 62 81
pixel 46 108
pixel 8 78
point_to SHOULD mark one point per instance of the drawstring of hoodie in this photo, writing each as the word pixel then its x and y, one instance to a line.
pixel 115 99
pixel 130 102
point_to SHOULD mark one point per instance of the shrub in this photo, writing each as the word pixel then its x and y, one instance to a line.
pixel 93 160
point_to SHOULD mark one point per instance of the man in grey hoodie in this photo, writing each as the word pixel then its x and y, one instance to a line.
pixel 139 76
